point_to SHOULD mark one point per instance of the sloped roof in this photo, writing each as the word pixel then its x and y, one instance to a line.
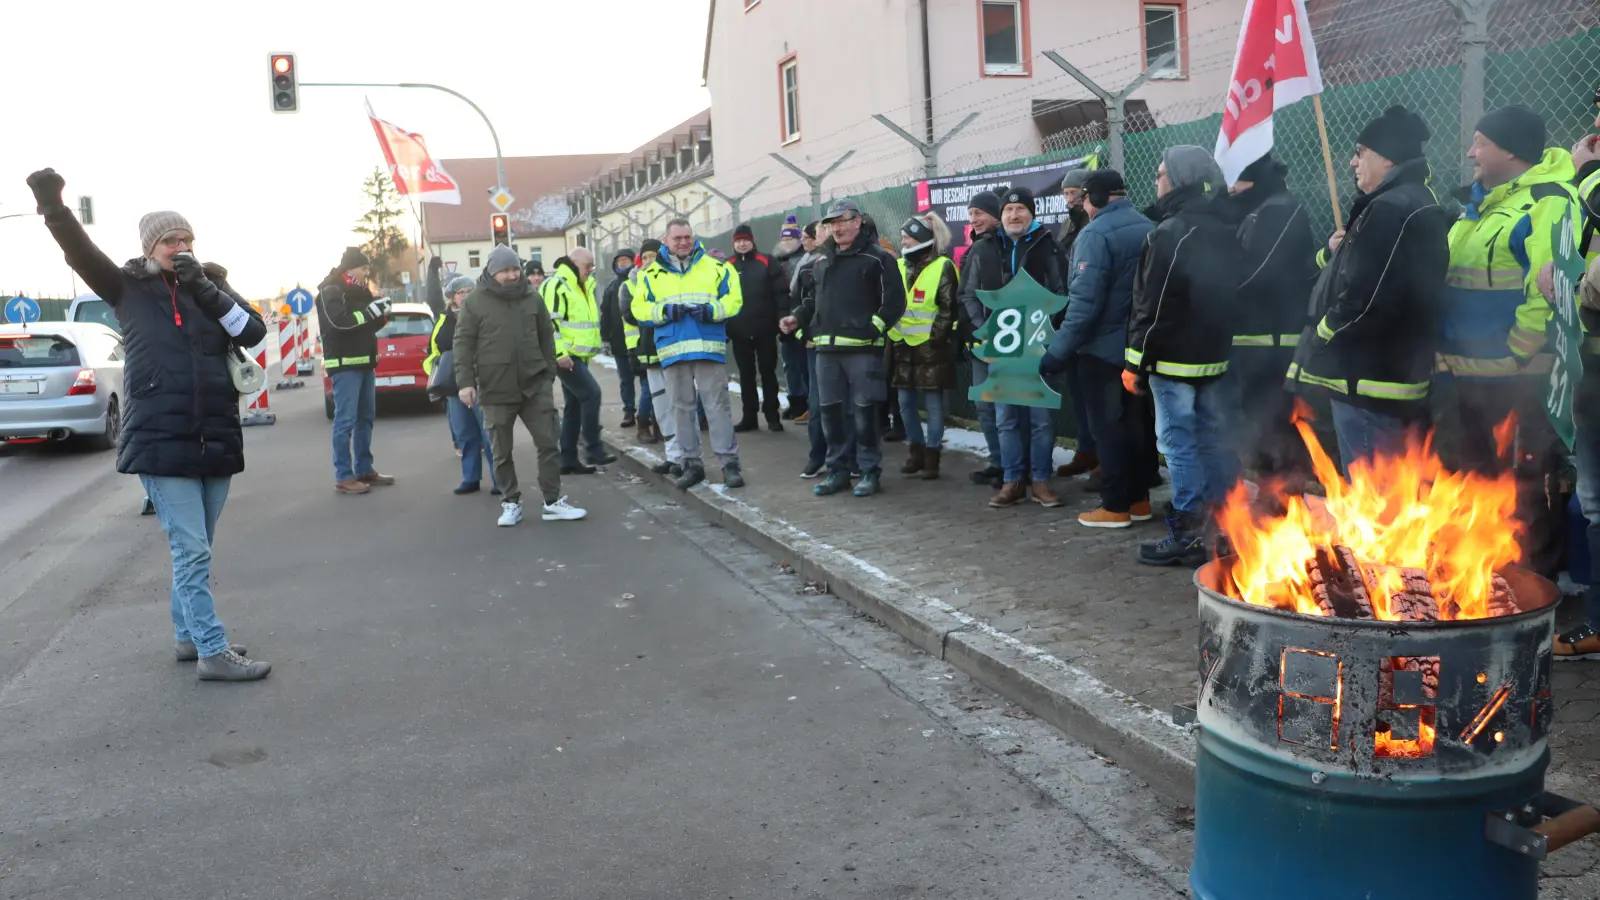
pixel 639 157
pixel 540 184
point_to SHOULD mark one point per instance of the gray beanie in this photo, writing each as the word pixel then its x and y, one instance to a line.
pixel 500 259
pixel 157 225
pixel 1190 165
pixel 1077 178
pixel 458 283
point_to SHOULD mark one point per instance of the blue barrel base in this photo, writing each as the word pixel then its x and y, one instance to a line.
pixel 1265 831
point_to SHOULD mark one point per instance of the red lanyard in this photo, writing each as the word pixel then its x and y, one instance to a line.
pixel 177 317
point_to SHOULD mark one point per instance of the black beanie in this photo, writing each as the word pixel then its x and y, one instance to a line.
pixel 1021 196
pixel 744 231
pixel 353 258
pixel 1516 129
pixel 1397 135
pixel 650 245
pixel 988 201
pixel 811 230
pixel 1101 184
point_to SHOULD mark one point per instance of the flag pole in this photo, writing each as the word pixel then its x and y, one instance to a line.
pixel 1327 161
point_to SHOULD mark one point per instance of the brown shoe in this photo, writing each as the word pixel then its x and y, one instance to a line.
pixel 804 418
pixel 1141 511
pixel 930 465
pixel 373 479
pixel 353 486
pixel 1045 497
pixel 1011 493
pixel 1081 463
pixel 643 435
pixel 914 460
pixel 655 431
pixel 1103 518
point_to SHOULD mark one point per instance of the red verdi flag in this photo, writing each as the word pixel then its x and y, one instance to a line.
pixel 415 173
pixel 1276 64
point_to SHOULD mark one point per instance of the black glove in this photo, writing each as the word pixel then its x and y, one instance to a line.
pixel 189 270
pixel 1049 365
pixel 47 186
pixel 191 274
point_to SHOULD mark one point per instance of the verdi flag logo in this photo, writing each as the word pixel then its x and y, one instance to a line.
pixel 1275 66
pixel 414 171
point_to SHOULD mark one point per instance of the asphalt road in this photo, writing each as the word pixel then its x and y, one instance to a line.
pixel 560 710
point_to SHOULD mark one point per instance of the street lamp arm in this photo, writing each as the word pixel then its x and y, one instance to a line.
pixel 499 160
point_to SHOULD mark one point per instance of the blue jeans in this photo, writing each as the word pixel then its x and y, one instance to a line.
pixel 1190 417
pixel 189 509
pixel 1027 441
pixel 819 439
pixel 625 382
pixel 796 369
pixel 355 408
pixel 986 415
pixel 647 404
pixel 1363 433
pixel 933 402
pixel 581 414
pixel 473 441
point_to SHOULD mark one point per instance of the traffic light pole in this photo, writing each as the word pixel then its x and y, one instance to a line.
pixel 499 161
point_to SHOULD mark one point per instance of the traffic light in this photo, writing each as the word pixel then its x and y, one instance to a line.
pixel 285 84
pixel 500 228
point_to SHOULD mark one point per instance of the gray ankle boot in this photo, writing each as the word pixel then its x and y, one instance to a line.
pixel 185 651
pixel 230 666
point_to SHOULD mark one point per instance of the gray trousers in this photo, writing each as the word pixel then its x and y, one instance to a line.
pixel 711 380
pixel 856 376
pixel 661 399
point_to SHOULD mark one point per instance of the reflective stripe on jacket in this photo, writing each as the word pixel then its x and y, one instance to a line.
pixel 704 281
pixel 574 310
pixel 922 304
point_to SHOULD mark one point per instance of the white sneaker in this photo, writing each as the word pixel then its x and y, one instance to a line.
pixel 510 514
pixel 559 511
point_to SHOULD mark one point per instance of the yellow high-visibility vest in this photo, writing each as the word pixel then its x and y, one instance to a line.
pixel 922 304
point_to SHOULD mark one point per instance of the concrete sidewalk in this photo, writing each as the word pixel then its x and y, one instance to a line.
pixel 1054 616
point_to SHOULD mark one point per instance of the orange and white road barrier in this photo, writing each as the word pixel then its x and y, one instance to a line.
pixel 256 409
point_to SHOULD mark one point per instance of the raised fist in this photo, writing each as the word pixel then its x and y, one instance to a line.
pixel 46 186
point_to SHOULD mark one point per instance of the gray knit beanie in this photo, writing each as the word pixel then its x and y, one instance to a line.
pixel 457 283
pixel 157 225
pixel 500 259
pixel 1188 164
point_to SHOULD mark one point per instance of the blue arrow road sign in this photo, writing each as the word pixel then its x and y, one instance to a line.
pixel 299 301
pixel 22 309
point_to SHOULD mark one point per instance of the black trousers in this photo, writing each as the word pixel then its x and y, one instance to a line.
pixel 749 353
pixel 1123 433
pixel 1263 431
pixel 1534 458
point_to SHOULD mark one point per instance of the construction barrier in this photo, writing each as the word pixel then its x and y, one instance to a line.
pixel 291 347
pixel 257 408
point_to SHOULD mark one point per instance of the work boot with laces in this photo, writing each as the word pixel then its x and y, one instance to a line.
pixel 667 467
pixel 871 483
pixel 1184 545
pixel 231 666
pixel 1582 642
pixel 1011 493
pixel 916 458
pixel 837 480
pixel 694 472
pixel 732 476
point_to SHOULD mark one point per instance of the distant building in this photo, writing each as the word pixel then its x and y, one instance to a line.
pixel 635 194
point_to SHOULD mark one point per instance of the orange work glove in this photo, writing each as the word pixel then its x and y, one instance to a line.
pixel 1130 381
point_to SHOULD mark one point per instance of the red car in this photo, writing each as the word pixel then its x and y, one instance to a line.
pixel 402 346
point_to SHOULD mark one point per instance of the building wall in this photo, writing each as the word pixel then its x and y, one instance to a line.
pixel 460 252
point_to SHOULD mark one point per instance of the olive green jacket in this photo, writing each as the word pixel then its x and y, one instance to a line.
pixel 504 347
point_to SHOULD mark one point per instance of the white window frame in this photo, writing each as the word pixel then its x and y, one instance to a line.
pixel 788 108
pixel 1176 69
pixel 1020 67
pixel 474 260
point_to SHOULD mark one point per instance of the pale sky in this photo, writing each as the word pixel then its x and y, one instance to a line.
pixel 147 107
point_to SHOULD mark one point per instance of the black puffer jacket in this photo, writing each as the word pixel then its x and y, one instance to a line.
pixel 1185 295
pixel 765 285
pixel 856 297
pixel 181 416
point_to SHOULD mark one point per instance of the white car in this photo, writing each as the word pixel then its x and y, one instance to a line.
pixel 61 380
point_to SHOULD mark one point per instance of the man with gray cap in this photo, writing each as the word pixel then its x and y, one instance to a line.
pixel 505 350
pixel 1180 332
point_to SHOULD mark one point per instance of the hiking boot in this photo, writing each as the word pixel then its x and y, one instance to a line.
pixel 915 459
pixel 1011 493
pixel 231 666
pixel 643 435
pixel 731 475
pixel 1045 497
pixel 930 464
pixel 774 426
pixel 694 472
pixel 1140 511
pixel 746 426
pixel 1184 544
pixel 375 480
pixel 811 470
pixel 1101 517
pixel 185 651
pixel 1582 642
pixel 986 476
pixel 578 470
pixel 510 514
pixel 604 459
pixel 353 486
pixel 667 467
pixel 1081 463
pixel 629 420
pixel 655 432
pixel 836 481
pixel 561 511
pixel 870 483
pixel 467 487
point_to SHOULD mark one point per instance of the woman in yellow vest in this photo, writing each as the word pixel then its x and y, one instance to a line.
pixel 923 343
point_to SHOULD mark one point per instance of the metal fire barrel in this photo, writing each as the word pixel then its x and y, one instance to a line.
pixel 1315 777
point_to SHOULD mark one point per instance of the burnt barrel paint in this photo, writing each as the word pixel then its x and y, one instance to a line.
pixel 1297 797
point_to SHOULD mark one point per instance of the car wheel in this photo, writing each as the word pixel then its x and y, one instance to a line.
pixel 327 405
pixel 107 440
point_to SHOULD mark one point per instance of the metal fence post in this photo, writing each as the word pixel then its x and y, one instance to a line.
pixel 734 202
pixel 930 152
pixel 814 180
pixel 1115 115
pixel 1474 67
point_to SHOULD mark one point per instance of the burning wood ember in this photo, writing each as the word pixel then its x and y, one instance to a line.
pixel 1402 540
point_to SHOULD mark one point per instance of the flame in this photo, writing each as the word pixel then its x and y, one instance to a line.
pixel 1396 512
pixel 1387 746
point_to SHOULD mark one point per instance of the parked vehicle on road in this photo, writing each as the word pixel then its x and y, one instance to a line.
pixel 402 346
pixel 60 381
pixel 90 308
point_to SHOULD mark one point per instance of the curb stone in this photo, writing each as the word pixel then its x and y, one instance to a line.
pixel 1137 736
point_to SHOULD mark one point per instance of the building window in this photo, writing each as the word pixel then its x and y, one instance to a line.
pixel 789 97
pixel 536 255
pixel 472 259
pixel 1005 28
pixel 1163 34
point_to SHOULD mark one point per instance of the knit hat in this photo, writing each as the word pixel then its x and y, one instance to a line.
pixel 1020 195
pixel 457 283
pixel 157 225
pixel 353 258
pixel 500 259
pixel 1075 179
pixel 1263 169
pixel 1516 129
pixel 811 230
pixel 1397 135
pixel 919 231
pixel 650 245
pixel 623 252
pixel 1101 184
pixel 790 229
pixel 988 201
pixel 1189 165
pixel 743 230
pixel 533 267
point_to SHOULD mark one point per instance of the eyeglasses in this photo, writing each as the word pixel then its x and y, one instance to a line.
pixel 175 242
